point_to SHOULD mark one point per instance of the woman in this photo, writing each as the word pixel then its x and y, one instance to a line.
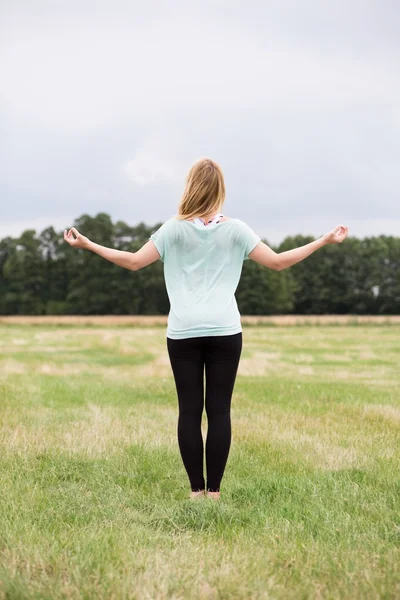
pixel 203 253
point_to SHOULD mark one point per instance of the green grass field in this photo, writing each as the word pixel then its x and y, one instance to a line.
pixel 94 496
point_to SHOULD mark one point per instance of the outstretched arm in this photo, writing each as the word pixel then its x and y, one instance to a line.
pixel 264 255
pixel 128 260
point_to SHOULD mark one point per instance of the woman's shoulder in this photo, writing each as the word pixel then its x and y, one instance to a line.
pixel 170 222
pixel 165 228
pixel 238 223
pixel 234 220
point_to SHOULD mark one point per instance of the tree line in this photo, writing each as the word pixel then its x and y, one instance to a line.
pixel 42 275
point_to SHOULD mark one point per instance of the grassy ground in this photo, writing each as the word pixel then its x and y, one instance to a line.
pixel 94 496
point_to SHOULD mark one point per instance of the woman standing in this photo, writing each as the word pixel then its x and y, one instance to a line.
pixel 203 253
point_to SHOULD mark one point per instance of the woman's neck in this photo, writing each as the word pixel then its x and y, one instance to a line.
pixel 208 217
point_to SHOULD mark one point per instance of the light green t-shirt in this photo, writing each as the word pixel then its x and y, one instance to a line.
pixel 202 268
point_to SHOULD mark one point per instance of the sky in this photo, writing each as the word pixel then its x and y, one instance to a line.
pixel 104 107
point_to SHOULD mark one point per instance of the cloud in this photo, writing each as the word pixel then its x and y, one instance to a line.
pixel 154 161
pixel 94 74
pixel 298 102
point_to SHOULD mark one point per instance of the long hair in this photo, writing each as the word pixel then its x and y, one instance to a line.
pixel 204 192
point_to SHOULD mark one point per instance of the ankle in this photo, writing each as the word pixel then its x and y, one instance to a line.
pixel 196 493
pixel 215 495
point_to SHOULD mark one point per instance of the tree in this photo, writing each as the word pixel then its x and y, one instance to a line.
pixel 43 275
pixel 24 277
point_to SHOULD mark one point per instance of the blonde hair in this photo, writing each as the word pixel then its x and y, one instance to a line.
pixel 204 193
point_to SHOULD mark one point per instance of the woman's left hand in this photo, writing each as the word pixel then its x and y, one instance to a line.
pixel 79 241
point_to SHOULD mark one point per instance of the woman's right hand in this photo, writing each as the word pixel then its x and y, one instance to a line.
pixel 79 241
pixel 337 235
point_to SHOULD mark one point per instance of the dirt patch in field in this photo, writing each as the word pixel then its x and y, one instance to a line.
pixel 338 357
pixel 136 320
pixel 321 452
pixel 11 367
pixel 86 320
pixel 265 363
pixel 305 370
pixel 373 376
pixel 19 341
pixel 367 355
pixel 100 430
pixel 303 358
pixel 159 368
pixel 392 413
pixel 71 369
pixel 260 363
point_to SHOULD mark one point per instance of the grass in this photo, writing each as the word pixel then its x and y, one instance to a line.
pixel 94 496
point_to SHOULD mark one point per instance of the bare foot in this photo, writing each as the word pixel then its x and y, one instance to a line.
pixel 215 495
pixel 197 494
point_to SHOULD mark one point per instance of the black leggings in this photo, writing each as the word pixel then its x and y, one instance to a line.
pixel 220 356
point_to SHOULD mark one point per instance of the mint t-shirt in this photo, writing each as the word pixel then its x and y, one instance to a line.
pixel 202 268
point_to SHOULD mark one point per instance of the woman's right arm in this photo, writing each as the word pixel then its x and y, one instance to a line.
pixel 264 255
pixel 133 261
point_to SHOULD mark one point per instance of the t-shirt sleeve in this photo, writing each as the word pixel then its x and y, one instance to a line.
pixel 160 239
pixel 247 238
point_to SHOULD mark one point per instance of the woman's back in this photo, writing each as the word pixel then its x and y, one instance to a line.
pixel 202 267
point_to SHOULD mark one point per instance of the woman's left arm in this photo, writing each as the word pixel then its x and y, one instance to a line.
pixel 128 260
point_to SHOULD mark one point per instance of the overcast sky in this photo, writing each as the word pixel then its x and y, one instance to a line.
pixel 105 106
